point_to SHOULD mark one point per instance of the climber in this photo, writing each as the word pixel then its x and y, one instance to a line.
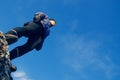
pixel 36 31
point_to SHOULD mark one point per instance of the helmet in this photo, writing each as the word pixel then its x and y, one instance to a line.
pixel 38 16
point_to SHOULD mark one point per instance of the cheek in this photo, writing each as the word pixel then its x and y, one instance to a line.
pixel 53 23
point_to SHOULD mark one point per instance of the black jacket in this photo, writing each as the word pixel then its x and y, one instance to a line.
pixel 35 31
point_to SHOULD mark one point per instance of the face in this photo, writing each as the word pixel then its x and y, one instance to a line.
pixel 53 23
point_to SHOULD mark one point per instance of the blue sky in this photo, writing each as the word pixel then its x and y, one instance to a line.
pixel 84 45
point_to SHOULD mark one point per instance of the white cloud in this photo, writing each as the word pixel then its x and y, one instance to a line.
pixel 20 75
pixel 82 54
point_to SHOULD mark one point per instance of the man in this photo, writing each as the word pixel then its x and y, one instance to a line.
pixel 36 32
